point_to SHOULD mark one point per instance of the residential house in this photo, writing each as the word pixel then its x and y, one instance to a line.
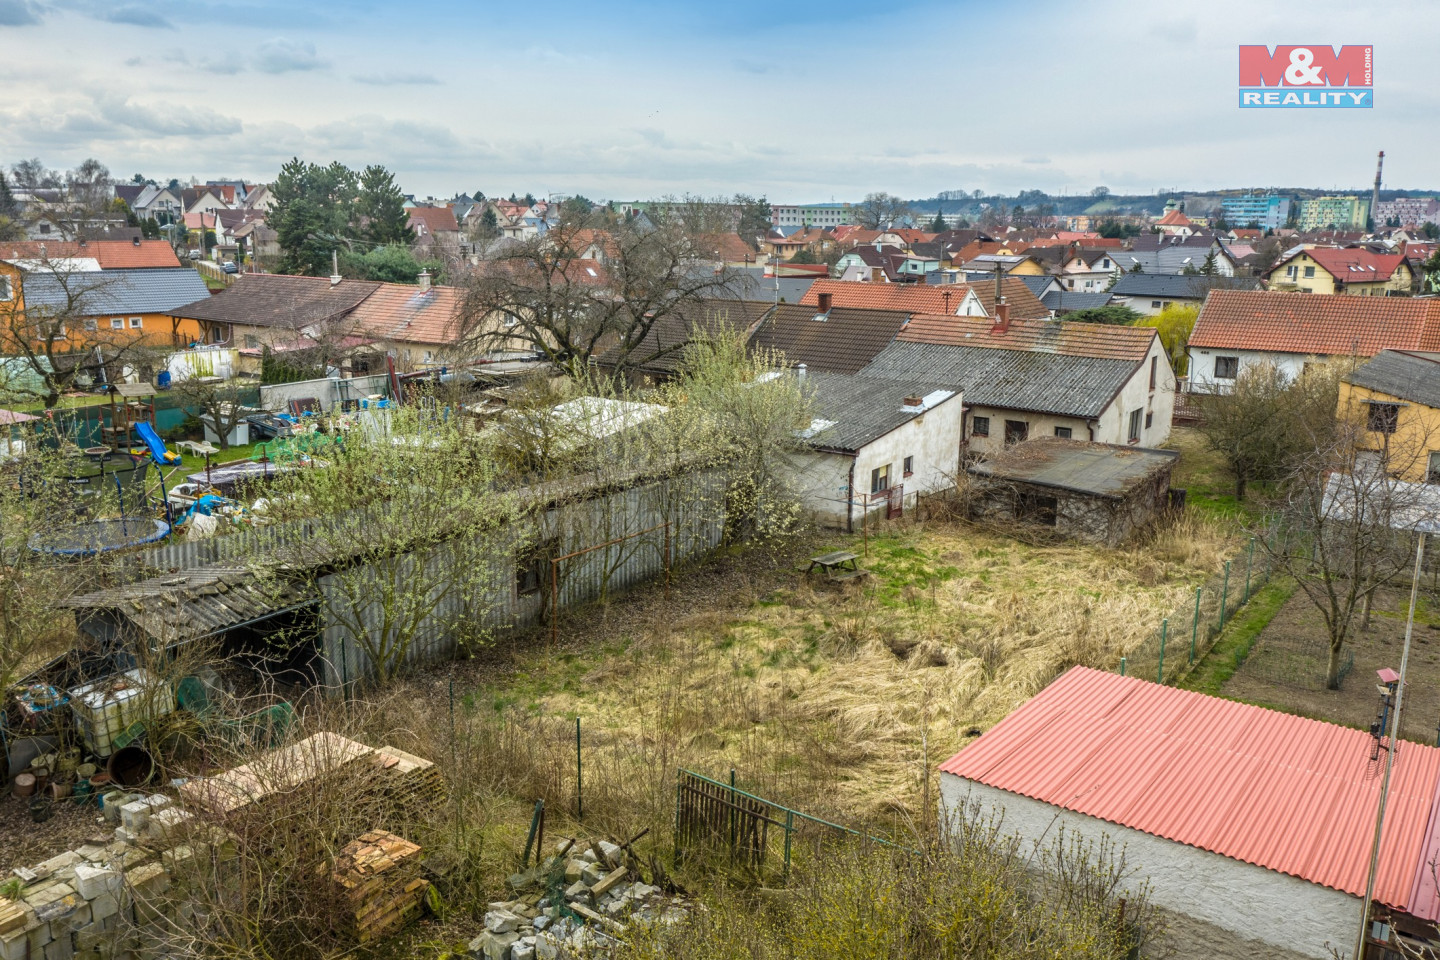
pixel 1089 271
pixel 875 443
pixel 259 198
pixel 1353 271
pixel 1013 264
pixel 205 200
pixel 1237 329
pixel 1191 253
pixel 420 325
pixel 725 250
pixel 435 228
pixel 102 308
pixel 1150 293
pixel 1062 302
pixel 813 240
pixel 956 299
pixel 228 229
pixel 1039 378
pixel 1251 848
pixel 256 240
pixel 1395 400
pixel 157 203
pixel 837 340
pixel 871 264
pixel 1093 492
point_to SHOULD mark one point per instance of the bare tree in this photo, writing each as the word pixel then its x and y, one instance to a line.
pixel 539 294
pixel 218 404
pixel 1246 426
pixel 880 211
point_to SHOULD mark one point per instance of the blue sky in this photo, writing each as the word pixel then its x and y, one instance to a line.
pixel 804 101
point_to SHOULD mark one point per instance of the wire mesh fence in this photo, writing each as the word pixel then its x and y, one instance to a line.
pixel 1188 633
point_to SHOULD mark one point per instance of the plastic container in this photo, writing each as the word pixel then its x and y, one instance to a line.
pixel 24 786
pixel 104 710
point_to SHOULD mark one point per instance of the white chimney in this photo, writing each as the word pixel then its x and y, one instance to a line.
pixel 800 369
pixel 424 281
pixel 335 277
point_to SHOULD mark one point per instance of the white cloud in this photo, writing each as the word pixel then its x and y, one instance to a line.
pixel 19 13
pixel 283 55
pixel 136 16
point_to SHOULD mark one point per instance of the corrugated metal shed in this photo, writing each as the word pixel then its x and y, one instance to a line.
pixel 196 603
pixel 1287 793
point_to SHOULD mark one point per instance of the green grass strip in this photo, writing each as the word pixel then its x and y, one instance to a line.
pixel 1233 645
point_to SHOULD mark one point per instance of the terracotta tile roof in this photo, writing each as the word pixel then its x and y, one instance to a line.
pixel 199 220
pixel 1349 264
pixel 845 341
pixel 976 248
pixel 725 247
pixel 432 220
pixel 1069 338
pixel 1318 324
pixel 1173 219
pixel 403 312
pixel 1024 305
pixel 111 254
pixel 905 297
pixel 913 236
pixel 279 300
pixel 1286 793
pixel 1248 233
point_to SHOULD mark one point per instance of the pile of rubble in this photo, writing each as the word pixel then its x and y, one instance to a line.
pixel 572 904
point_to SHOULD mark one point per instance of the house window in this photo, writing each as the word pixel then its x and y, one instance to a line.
pixel 44 228
pixel 136 323
pixel 1016 431
pixel 909 467
pixel 1105 264
pixel 982 427
pixel 5 293
pixel 880 479
pixel 252 342
pixel 117 323
pixel 1383 417
pixel 1154 365
pixel 1063 432
pixel 1149 419
pixel 1432 470
pixel 1157 304
pixel 1134 432
pixel 1309 273
pixel 1033 508
pixel 532 566
pixel 1226 368
pixel 1292 271
pixel 92 325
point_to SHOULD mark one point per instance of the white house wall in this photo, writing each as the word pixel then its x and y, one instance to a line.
pixel 1202 366
pixel 1239 910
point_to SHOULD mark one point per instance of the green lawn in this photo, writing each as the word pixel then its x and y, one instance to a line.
pixel 1209 485
pixel 1233 645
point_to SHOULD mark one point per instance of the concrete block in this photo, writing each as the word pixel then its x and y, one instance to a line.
pixel 91 881
pixel 164 824
pixel 133 817
pixel 501 921
pixel 177 859
pixel 67 859
pixel 66 924
pixel 62 949
pixel 103 906
pixel 149 880
pixel 15 944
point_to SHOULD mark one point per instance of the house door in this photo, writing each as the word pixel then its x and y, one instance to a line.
pixel 895 507
pixel 1016 431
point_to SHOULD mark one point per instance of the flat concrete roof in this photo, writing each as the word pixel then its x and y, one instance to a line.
pixel 1098 469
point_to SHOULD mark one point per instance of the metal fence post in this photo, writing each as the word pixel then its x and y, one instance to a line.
pixel 1249 563
pixel 1195 623
pixel 1224 594
pixel 1122 666
pixel 1164 632
pixel 579 776
pixel 732 813
pixel 789 832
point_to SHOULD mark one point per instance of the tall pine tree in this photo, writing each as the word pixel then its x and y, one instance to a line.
pixel 380 209
pixel 314 206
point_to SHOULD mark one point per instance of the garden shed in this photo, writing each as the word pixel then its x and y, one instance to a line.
pixel 1095 492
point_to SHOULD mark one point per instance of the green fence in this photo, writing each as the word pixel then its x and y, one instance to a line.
pixel 758 835
pixel 1191 629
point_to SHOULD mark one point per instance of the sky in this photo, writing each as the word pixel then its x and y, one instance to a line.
pixel 635 99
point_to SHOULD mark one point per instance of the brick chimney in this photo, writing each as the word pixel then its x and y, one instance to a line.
pixel 1002 318
pixel 825 300
pixel 425 281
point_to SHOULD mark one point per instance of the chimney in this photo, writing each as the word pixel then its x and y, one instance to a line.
pixel 914 401
pixel 335 277
pixel 82 243
pixel 825 301
pixel 135 240
pixel 800 369
pixel 425 281
pixel 1002 318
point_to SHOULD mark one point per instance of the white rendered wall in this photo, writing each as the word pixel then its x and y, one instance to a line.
pixel 1287 915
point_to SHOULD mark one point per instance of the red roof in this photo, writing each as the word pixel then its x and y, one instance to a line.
pixel 1099 340
pixel 1350 264
pixel 907 297
pixel 14 416
pixel 404 312
pixel 433 220
pixel 1287 793
pixel 1315 324
pixel 110 254
pixel 1173 219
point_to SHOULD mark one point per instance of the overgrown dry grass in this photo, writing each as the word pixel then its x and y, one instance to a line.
pixel 838 700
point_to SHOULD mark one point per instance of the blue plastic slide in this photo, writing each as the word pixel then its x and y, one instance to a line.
pixel 158 454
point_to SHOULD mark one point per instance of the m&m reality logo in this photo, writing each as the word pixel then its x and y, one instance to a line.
pixel 1307 76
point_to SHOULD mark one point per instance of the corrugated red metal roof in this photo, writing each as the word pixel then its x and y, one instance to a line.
pixel 1290 794
pixel 1315 323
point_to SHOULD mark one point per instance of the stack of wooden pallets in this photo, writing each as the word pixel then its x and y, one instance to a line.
pixel 379 876
pixel 411 779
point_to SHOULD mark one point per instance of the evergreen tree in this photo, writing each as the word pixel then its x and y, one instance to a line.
pixel 8 207
pixel 938 224
pixel 380 209
pixel 312 214
pixel 489 224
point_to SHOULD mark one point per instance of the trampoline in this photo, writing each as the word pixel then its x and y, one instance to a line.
pixel 99 536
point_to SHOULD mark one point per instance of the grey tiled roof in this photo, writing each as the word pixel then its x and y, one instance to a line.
pixel 278 300
pixel 1037 285
pixel 843 342
pixel 662 350
pixel 153 290
pixel 1177 287
pixel 1063 301
pixel 862 409
pixel 1409 376
pixel 1010 379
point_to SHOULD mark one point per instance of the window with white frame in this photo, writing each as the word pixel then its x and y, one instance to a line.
pixel 136 323
pixel 117 323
